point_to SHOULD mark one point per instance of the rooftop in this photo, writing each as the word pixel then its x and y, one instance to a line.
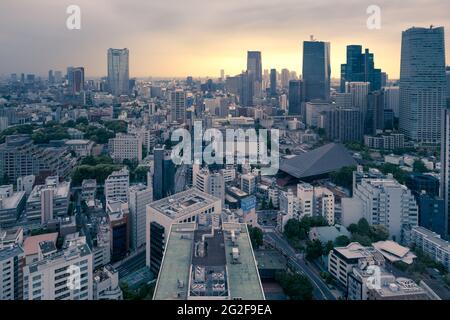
pixel 224 267
pixel 326 159
pixel 183 203
pixel 31 244
pixel 433 237
pixel 10 252
pixel 393 252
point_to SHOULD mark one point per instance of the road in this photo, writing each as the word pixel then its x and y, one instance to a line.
pixel 131 263
pixel 321 290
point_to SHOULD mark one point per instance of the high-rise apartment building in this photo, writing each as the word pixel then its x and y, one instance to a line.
pixel 12 261
pixel 55 275
pixel 445 166
pixel 116 185
pixel 422 84
pixel 383 202
pixel 118 71
pixel 140 196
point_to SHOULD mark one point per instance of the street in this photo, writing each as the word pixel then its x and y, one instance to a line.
pixel 321 290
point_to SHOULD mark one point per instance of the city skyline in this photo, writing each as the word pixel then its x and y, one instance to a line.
pixel 165 41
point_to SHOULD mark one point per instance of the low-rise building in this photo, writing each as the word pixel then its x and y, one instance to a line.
pixel 88 189
pixel 341 260
pixel 49 201
pixel 385 141
pixel 82 148
pixel 12 205
pixel 432 245
pixel 106 284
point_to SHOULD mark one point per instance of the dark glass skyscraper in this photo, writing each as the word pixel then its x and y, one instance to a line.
pixel 296 97
pixel 360 67
pixel 316 70
pixel 273 82
pixel 254 69
pixel 164 173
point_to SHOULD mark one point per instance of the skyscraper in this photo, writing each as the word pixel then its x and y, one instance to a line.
pixel 164 173
pixel 285 75
pixel 75 79
pixel 422 84
pixel 254 69
pixel 360 67
pixel 178 105
pixel 296 97
pixel 316 70
pixel 445 165
pixel 273 82
pixel 374 118
pixel 246 89
pixel 118 71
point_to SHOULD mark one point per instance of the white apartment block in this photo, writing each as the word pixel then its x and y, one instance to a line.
pixel 49 201
pixel 432 245
pixel 229 174
pixel 324 204
pixel 212 183
pixel 248 183
pixel 102 250
pixel 117 184
pixel 55 276
pixel 125 146
pixel 383 202
pixel 140 197
pixel 305 195
pixel 88 189
pixel 12 260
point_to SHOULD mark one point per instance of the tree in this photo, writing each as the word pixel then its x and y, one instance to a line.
pixel 328 247
pixel 363 227
pixel 295 286
pixel 341 241
pixel 291 229
pixel 256 236
pixel 314 249
pixel 379 233
pixel 343 177
pixel 419 166
pixel 117 126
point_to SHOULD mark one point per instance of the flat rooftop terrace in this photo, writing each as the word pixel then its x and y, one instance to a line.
pixel 183 203
pixel 242 274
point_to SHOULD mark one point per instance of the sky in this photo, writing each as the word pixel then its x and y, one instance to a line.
pixel 200 37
